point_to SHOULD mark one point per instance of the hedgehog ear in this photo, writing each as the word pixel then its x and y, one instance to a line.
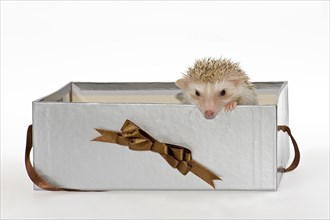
pixel 182 83
pixel 237 80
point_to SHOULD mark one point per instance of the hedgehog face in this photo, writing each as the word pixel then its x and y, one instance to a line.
pixel 212 84
pixel 210 98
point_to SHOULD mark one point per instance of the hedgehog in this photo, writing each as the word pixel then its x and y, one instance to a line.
pixel 215 84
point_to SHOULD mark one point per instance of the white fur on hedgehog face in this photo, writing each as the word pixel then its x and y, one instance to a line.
pixel 212 97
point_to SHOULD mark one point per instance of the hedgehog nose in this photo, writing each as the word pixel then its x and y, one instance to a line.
pixel 209 114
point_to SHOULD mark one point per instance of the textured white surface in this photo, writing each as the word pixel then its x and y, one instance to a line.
pixel 239 146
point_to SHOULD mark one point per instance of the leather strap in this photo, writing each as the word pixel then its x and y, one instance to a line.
pixel 296 159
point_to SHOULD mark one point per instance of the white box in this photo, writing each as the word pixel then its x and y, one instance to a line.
pixel 242 147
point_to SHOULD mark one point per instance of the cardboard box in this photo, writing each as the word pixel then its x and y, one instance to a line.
pixel 242 147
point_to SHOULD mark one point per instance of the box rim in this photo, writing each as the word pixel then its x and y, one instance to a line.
pixel 39 101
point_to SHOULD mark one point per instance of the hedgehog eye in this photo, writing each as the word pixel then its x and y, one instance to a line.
pixel 197 93
pixel 223 92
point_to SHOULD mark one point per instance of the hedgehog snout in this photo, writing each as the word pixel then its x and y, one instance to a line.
pixel 209 114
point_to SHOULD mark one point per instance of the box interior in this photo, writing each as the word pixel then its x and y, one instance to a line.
pixel 161 93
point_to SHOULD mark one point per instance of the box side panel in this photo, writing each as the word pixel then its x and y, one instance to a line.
pixel 39 138
pixel 283 142
pixel 238 146
pixel 265 148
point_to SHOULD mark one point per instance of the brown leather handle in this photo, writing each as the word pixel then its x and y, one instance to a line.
pixel 34 176
pixel 296 159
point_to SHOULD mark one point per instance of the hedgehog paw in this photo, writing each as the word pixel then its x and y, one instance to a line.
pixel 230 106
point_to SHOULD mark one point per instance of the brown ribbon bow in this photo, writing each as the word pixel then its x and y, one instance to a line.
pixel 137 139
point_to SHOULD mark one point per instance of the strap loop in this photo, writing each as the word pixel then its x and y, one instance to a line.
pixel 296 159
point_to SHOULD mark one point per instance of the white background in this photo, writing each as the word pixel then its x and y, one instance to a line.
pixel 45 44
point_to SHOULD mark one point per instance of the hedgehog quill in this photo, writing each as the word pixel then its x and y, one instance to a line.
pixel 216 84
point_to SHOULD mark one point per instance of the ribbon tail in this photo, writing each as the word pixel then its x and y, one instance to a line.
pixel 106 136
pixel 203 173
